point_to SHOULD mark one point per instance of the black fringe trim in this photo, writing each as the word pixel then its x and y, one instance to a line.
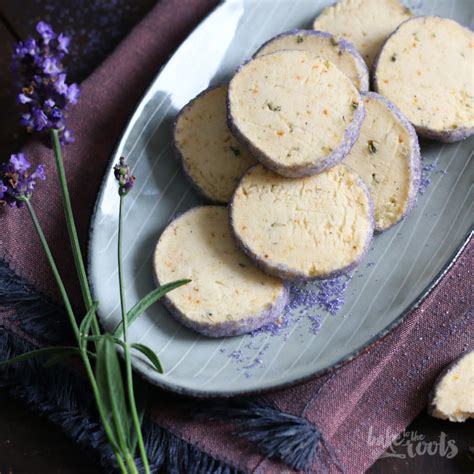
pixel 279 435
pixel 57 394
pixel 35 314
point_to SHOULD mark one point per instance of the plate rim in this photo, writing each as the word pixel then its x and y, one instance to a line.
pixel 360 350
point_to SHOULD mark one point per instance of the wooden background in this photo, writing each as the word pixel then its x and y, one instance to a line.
pixel 30 444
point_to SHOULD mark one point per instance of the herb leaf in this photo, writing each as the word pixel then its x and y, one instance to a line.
pixel 274 108
pixel 85 325
pixel 150 355
pixel 112 394
pixel 45 351
pixel 234 150
pixel 145 350
pixel 141 402
pixel 60 356
pixel 152 297
pixel 371 147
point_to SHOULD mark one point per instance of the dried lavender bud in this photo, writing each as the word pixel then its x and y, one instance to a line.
pixel 124 177
pixel 41 81
pixel 274 108
pixel 17 182
pixel 371 147
pixel 234 150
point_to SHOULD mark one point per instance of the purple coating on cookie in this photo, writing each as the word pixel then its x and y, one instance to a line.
pixel 351 134
pixel 414 158
pixel 226 328
pixel 202 193
pixel 290 274
pixel 345 45
pixel 444 136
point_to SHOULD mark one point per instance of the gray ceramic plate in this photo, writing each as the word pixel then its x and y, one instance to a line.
pixel 402 265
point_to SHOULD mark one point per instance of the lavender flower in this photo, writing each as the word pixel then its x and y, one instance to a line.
pixel 42 87
pixel 17 182
pixel 124 177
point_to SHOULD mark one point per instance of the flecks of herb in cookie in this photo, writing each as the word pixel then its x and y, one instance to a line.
pixel 371 147
pixel 274 108
pixel 234 150
pixel 292 150
pixel 334 41
pixel 393 58
pixel 375 179
pixel 354 105
pixel 242 265
pixel 299 39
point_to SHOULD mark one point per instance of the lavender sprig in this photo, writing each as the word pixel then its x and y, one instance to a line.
pixel 17 181
pixel 124 177
pixel 41 80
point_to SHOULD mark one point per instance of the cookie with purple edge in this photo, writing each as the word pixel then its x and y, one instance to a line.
pixel 426 69
pixel 308 228
pixel 365 23
pixel 212 159
pixel 387 157
pixel 227 295
pixel 297 113
pixel 337 50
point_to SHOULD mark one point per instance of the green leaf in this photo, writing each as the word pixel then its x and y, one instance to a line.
pixel 145 350
pixel 54 359
pixel 110 383
pixel 150 355
pixel 45 351
pixel 57 358
pixel 147 301
pixel 85 325
pixel 141 389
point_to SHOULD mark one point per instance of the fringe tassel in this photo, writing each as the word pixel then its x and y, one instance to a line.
pixel 35 314
pixel 58 395
pixel 282 436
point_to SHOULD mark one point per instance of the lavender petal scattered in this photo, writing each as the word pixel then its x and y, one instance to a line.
pixel 425 181
pixel 96 26
pixel 308 301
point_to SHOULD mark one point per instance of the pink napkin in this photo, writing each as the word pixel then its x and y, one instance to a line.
pixel 381 391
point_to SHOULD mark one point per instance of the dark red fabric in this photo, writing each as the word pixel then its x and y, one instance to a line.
pixel 382 389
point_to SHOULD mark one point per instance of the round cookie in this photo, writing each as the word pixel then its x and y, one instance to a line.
pixel 212 158
pixel 387 157
pixel 228 295
pixel 452 396
pixel 301 229
pixel 297 113
pixel 426 69
pixel 339 51
pixel 365 23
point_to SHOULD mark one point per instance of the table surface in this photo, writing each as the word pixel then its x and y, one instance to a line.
pixel 31 444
